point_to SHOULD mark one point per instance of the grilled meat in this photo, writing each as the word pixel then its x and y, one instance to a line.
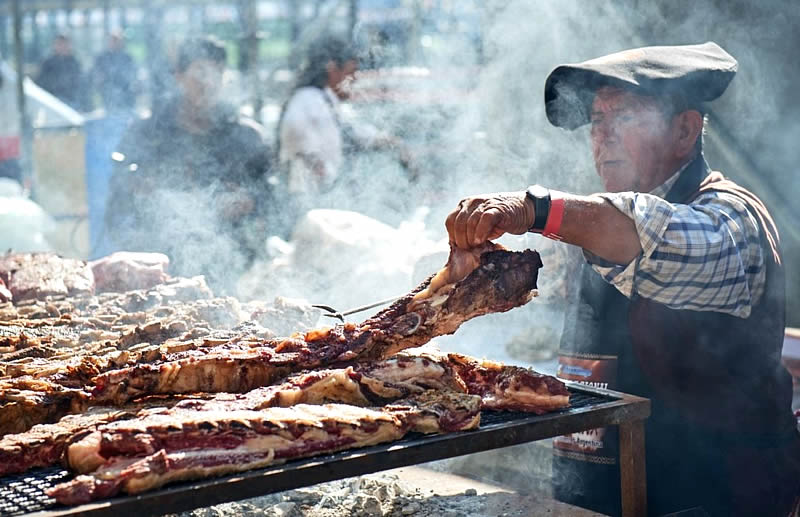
pixel 125 271
pixel 434 411
pixel 39 275
pixel 44 444
pixel 506 387
pixel 502 281
pixel 25 401
pixel 178 444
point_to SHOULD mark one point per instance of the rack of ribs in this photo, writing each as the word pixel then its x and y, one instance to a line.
pixel 44 444
pixel 500 281
pixel 373 383
pixel 26 401
pixel 180 444
pixel 508 387
pixel 369 384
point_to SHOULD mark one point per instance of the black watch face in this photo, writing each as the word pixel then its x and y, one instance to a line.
pixel 537 191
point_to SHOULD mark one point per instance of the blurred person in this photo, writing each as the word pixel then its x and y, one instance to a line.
pixel 61 74
pixel 113 75
pixel 9 139
pixel 313 139
pixel 681 299
pixel 189 181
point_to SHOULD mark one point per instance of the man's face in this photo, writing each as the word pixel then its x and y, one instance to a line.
pixel 115 42
pixel 201 83
pixel 62 47
pixel 341 77
pixel 631 141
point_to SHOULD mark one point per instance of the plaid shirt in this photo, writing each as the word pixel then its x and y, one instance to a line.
pixel 704 256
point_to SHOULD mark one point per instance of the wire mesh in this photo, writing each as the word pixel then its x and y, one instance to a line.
pixel 21 494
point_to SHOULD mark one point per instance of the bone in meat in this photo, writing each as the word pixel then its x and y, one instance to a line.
pixel 502 281
pixel 170 445
pixel 507 387
pixel 25 401
pixel 44 444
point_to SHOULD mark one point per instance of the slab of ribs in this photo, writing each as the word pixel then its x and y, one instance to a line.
pixel 136 382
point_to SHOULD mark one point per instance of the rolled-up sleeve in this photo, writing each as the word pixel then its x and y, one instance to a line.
pixel 705 256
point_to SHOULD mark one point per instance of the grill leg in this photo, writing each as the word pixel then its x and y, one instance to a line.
pixel 632 469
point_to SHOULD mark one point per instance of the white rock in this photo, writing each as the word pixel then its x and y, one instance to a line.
pixel 342 259
pixel 284 509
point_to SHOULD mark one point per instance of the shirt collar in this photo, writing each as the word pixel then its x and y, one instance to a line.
pixel 662 190
pixel 332 98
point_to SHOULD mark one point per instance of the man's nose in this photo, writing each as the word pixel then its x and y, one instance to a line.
pixel 605 131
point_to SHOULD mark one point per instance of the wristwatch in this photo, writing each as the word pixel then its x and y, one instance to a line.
pixel 541 206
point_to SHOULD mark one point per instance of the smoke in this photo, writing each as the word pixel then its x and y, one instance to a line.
pixel 473 111
pixel 499 138
pixel 474 114
pixel 478 124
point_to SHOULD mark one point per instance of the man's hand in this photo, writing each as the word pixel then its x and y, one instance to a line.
pixel 483 218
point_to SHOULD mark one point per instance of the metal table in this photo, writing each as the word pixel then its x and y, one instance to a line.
pixel 590 408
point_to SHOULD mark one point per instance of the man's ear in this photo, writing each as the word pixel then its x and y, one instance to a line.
pixel 686 129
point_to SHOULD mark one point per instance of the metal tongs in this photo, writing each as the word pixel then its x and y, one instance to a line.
pixel 333 313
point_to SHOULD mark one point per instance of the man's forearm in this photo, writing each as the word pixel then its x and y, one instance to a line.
pixel 596 225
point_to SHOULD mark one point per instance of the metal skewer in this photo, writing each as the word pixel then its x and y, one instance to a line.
pixel 333 313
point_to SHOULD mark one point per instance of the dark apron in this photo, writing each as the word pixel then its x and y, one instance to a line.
pixel 696 456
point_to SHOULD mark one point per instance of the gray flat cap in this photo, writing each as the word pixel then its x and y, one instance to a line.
pixel 699 72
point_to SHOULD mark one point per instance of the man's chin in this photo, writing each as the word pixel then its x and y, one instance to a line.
pixel 613 183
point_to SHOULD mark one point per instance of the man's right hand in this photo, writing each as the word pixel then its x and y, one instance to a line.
pixel 483 218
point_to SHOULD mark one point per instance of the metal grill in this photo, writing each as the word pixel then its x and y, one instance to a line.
pixel 24 493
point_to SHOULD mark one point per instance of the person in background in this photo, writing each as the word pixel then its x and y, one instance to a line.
pixel 681 299
pixel 313 139
pixel 189 181
pixel 60 74
pixel 114 76
pixel 9 141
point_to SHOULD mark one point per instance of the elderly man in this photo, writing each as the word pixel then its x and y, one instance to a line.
pixel 681 299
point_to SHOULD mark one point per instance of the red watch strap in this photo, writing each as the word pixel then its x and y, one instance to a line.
pixel 553 225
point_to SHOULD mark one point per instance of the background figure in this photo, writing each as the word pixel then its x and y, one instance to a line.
pixel 9 144
pixel 190 180
pixel 313 138
pixel 114 76
pixel 60 74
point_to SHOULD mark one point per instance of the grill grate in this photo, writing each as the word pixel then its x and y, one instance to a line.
pixel 21 494
pixel 24 493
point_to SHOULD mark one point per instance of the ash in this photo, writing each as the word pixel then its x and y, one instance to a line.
pixel 375 495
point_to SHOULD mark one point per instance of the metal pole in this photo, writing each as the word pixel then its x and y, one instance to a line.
pixel 88 40
pixel 294 32
pixel 35 52
pixel 26 134
pixel 249 45
pixel 106 19
pixel 353 16
pixel 68 10
pixel 3 36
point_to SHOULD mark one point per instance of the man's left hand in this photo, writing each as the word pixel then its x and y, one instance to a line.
pixel 483 218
